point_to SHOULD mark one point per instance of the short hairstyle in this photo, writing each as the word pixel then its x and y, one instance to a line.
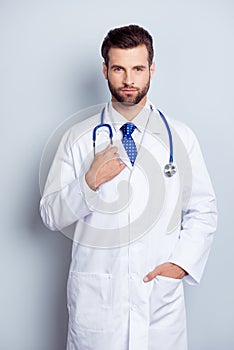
pixel 127 37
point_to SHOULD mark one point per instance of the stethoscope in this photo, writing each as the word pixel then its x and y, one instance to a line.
pixel 169 169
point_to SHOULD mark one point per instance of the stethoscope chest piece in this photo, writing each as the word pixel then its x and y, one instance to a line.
pixel 169 169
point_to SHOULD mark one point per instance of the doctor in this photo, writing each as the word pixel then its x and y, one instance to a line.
pixel 138 234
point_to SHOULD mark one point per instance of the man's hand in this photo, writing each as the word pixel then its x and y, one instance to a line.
pixel 168 270
pixel 105 166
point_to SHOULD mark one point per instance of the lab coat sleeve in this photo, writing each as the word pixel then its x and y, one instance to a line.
pixel 66 198
pixel 199 219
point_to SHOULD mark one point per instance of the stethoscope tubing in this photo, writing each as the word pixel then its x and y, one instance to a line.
pixel 169 169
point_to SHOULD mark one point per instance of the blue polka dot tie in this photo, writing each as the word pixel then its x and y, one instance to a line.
pixel 128 142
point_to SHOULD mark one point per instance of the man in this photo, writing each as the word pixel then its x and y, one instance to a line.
pixel 138 234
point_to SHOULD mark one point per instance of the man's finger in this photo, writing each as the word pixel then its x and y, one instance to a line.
pixel 151 275
pixel 113 150
pixel 105 149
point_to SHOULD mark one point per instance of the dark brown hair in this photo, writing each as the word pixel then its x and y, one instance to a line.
pixel 127 37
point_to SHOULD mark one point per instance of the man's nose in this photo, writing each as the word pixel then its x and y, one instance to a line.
pixel 128 78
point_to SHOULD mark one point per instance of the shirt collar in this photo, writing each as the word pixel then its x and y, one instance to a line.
pixel 140 120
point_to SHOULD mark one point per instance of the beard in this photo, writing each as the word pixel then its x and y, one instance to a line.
pixel 129 99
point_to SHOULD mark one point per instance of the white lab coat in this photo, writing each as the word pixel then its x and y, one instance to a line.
pixel 110 307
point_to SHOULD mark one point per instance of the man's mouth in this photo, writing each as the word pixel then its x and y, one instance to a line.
pixel 128 90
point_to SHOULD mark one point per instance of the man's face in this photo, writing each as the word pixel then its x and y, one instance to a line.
pixel 128 74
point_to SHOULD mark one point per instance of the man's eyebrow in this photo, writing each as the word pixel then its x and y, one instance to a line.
pixel 137 66
pixel 116 66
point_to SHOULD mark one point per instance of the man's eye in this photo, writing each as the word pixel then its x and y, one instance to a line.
pixel 139 69
pixel 117 69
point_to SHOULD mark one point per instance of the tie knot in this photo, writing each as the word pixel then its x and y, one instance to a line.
pixel 127 129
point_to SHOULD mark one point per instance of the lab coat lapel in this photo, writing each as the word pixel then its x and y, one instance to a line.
pixel 154 130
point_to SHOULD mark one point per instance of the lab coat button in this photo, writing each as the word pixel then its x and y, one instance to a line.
pixel 133 276
pixel 133 307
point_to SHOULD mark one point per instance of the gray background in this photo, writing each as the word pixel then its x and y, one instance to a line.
pixel 50 68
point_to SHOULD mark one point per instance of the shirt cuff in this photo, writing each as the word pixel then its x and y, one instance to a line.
pixel 189 278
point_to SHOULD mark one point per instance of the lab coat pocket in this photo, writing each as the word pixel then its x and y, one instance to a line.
pixel 90 301
pixel 167 303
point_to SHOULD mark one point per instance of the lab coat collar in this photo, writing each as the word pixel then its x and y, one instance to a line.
pixel 155 125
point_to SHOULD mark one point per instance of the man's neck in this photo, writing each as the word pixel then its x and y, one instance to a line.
pixel 129 111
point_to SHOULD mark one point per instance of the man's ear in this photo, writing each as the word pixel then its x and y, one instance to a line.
pixel 104 69
pixel 152 69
